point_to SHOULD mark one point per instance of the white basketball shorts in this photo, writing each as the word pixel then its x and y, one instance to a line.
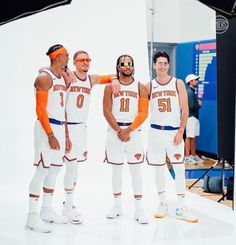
pixel 78 137
pixel 43 153
pixel 160 144
pixel 117 151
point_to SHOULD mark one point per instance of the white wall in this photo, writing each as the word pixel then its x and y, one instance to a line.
pixel 105 28
pixel 166 20
pixel 180 21
pixel 196 21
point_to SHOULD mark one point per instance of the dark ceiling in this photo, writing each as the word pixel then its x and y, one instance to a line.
pixel 16 9
pixel 227 7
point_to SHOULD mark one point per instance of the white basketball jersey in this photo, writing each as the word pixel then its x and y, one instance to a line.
pixel 164 101
pixel 56 97
pixel 125 104
pixel 78 100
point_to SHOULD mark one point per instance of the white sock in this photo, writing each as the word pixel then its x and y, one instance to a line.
pixel 138 203
pixel 180 183
pixel 162 197
pixel 33 205
pixel 160 182
pixel 69 198
pixel 47 199
pixel 117 178
pixel 137 183
pixel 181 200
pixel 117 200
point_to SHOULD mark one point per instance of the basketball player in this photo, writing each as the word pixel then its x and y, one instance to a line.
pixel 169 114
pixel 77 108
pixel 125 112
pixel 51 140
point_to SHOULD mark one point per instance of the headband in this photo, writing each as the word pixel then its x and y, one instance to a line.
pixel 54 54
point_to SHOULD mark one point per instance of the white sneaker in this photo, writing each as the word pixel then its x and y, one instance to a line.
pixel 72 214
pixel 115 212
pixel 197 159
pixel 162 211
pixel 34 223
pixel 190 160
pixel 49 215
pixel 184 214
pixel 140 216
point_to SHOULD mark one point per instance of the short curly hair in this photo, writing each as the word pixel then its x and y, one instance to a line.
pixel 160 54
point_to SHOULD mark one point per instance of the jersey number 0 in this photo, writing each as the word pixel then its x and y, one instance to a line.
pixel 80 101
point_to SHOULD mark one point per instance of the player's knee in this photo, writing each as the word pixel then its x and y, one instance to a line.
pixel 70 176
pixel 54 170
pixel 179 169
pixel 35 184
pixel 71 168
pixel 69 182
pixel 40 172
pixel 50 179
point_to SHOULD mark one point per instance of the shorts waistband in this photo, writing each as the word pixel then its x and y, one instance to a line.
pixel 54 121
pixel 163 127
pixel 123 124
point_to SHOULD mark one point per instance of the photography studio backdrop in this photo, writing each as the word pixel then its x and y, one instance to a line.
pixel 82 25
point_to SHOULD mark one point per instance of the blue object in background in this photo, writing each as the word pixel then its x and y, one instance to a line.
pixel 192 59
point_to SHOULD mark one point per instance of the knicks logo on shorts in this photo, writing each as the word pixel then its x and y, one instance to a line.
pixel 177 156
pixel 138 156
pixel 85 154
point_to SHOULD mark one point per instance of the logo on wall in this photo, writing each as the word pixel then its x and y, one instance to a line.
pixel 220 24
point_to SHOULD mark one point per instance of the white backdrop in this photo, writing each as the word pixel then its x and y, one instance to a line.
pixel 106 29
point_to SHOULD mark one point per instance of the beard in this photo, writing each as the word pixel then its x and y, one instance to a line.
pixel 127 74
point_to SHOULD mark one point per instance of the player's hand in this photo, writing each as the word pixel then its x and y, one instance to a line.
pixel 71 75
pixel 124 134
pixel 128 139
pixel 68 76
pixel 178 138
pixel 68 145
pixel 53 142
pixel 115 85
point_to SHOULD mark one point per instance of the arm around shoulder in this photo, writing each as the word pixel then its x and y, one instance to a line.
pixel 102 79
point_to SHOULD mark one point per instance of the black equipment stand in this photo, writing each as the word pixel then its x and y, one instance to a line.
pixel 222 175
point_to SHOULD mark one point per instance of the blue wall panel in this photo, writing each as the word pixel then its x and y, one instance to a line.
pixel 185 64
